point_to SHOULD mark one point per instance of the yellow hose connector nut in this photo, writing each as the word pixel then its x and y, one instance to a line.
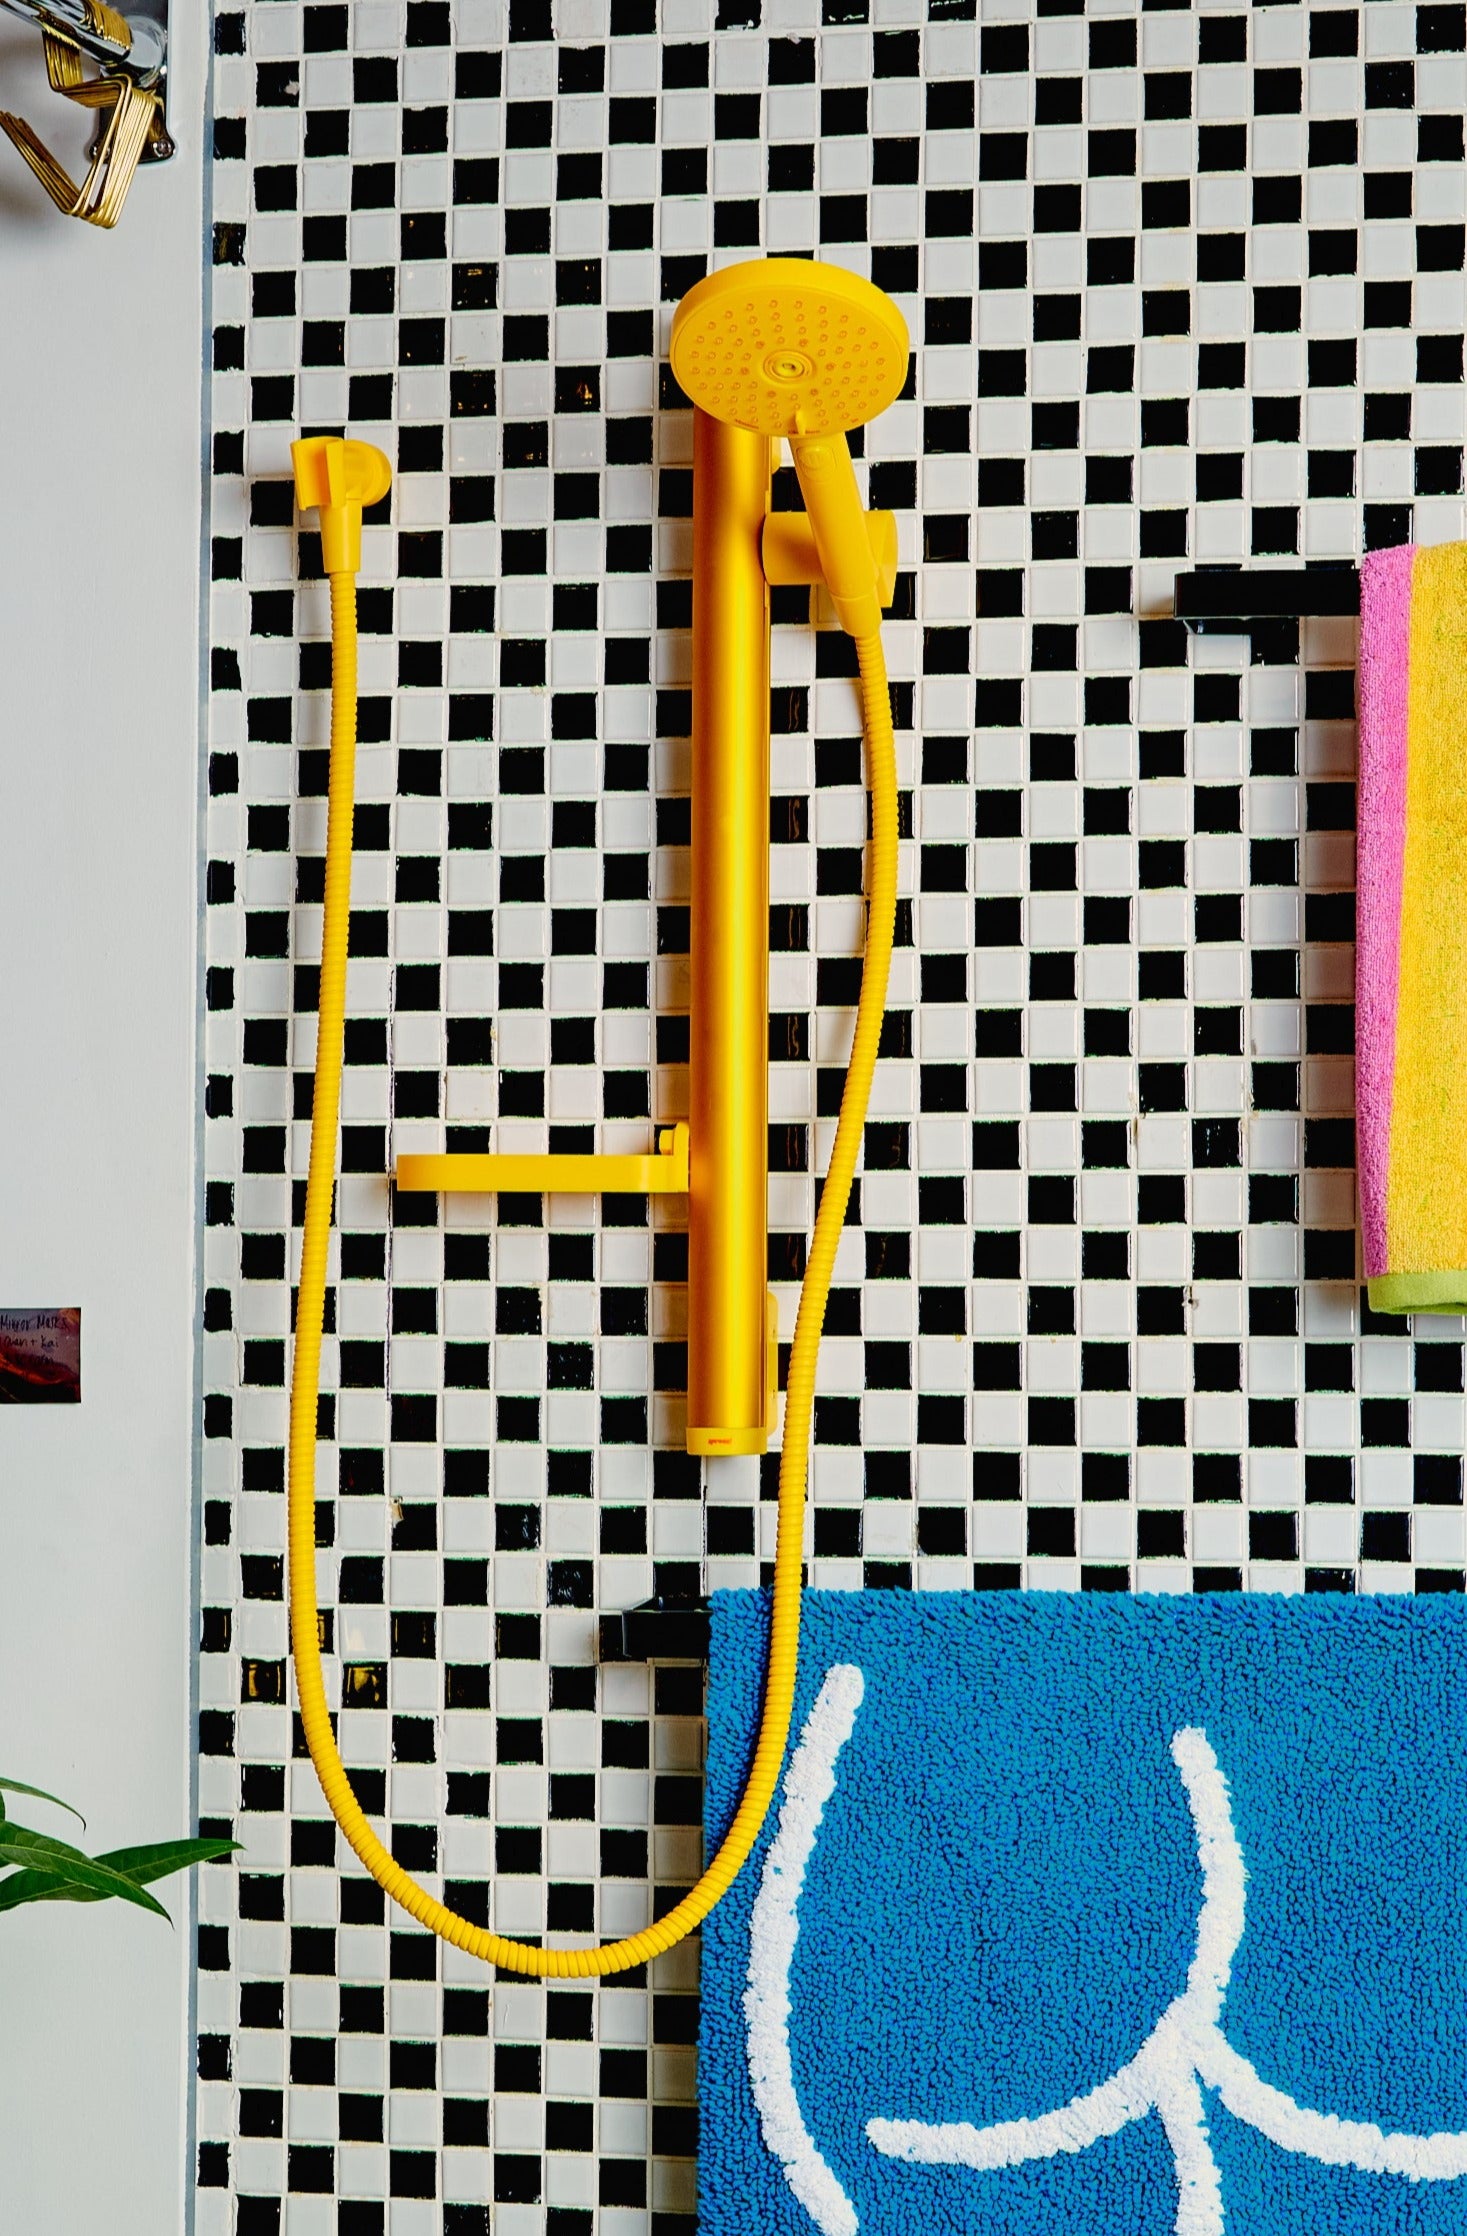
pixel 340 479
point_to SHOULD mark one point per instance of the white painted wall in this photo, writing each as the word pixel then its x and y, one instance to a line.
pixel 100 355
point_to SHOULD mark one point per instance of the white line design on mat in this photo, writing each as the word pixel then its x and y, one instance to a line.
pixel 1185 2046
pixel 774 1928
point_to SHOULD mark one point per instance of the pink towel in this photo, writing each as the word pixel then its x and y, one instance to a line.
pixel 1411 932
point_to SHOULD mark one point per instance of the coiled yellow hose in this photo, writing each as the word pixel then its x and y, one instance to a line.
pixel 637 1948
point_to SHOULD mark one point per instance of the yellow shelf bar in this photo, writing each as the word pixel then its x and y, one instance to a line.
pixel 663 1172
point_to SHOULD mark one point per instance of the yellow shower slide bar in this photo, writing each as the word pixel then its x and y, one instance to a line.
pixel 740 548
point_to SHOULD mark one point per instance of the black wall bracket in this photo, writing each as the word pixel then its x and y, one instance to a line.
pixel 1261 602
pixel 667 1629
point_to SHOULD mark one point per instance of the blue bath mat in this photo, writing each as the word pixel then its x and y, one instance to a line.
pixel 1090 1916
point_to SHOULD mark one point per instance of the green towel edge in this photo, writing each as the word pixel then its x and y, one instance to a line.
pixel 1419 1292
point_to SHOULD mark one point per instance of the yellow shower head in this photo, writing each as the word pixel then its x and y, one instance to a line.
pixel 803 350
pixel 789 347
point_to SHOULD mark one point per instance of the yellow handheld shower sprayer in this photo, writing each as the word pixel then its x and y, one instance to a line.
pixel 783 349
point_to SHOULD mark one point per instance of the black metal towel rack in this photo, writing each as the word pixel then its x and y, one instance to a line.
pixel 1257 602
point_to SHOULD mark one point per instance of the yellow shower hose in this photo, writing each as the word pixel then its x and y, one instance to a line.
pixel 637 1948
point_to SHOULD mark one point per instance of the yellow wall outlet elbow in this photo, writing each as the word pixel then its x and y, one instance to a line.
pixel 340 479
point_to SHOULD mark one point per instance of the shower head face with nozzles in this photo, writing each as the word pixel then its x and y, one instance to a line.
pixel 789 347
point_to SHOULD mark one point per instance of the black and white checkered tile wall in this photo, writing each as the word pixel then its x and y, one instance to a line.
pixel 1185 287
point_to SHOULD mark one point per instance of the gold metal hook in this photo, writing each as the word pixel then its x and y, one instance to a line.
pixel 129 92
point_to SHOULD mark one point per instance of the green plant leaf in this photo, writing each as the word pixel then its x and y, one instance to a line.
pixel 42 1886
pixel 139 1865
pixel 38 1793
pixel 56 1858
pixel 158 1857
